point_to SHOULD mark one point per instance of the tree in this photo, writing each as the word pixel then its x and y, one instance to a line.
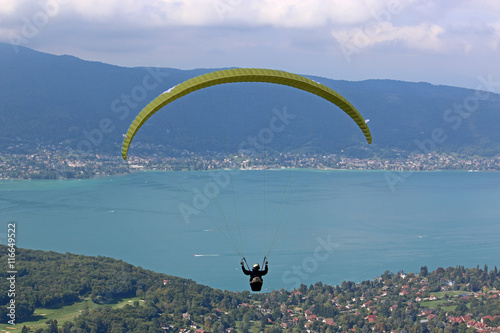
pixel 244 328
pixel 220 328
pixel 461 309
pixel 208 323
pixel 423 271
pixel 246 319
pixel 52 326
pixel 274 330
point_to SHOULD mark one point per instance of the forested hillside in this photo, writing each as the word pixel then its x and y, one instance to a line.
pixel 49 279
pixel 455 299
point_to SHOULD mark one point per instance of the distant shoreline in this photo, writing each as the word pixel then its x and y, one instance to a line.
pixel 102 176
pixel 54 164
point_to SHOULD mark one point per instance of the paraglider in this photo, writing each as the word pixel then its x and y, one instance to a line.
pixel 244 75
pixel 255 274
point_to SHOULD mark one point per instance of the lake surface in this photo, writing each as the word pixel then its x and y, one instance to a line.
pixel 331 225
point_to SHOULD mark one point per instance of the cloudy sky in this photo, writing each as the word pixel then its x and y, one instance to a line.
pixel 452 42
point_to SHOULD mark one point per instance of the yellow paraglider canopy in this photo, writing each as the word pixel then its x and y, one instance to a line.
pixel 243 75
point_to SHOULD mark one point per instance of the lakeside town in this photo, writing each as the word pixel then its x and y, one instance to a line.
pixel 455 299
pixel 51 162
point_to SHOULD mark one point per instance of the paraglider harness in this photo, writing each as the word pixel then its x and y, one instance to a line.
pixel 255 275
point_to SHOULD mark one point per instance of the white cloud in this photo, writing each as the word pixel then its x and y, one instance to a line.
pixel 278 13
pixel 307 14
pixel 301 35
pixel 424 36
pixel 7 7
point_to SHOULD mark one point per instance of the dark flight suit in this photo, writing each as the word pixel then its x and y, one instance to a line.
pixel 255 277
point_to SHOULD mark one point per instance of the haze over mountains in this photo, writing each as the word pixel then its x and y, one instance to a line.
pixel 88 105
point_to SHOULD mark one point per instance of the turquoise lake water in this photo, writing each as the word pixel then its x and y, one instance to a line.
pixel 332 225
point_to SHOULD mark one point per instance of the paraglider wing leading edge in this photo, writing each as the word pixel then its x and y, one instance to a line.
pixel 243 75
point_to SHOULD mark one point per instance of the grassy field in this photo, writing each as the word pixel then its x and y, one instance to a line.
pixel 434 304
pixel 61 314
pixel 254 328
pixel 450 294
pixel 441 299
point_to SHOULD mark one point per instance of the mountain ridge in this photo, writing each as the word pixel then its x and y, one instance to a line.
pixel 88 105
